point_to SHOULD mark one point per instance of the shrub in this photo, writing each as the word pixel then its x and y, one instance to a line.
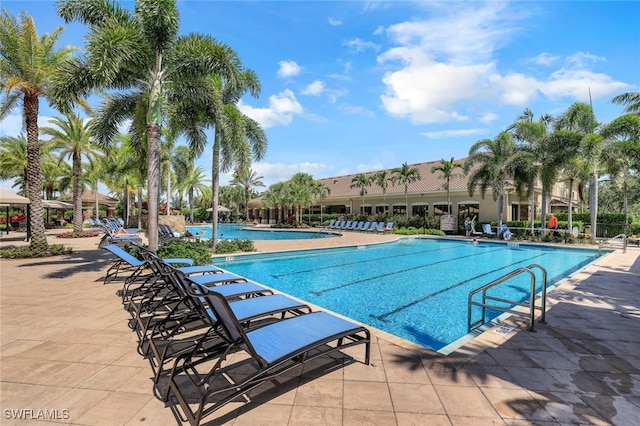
pixel 81 234
pixel 198 251
pixel 26 252
pixel 233 246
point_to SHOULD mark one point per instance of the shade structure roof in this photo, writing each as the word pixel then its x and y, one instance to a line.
pixel 55 204
pixel 10 199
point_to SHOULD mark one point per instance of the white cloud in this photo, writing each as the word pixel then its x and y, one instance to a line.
pixel 282 108
pixel 544 59
pixel 280 172
pixel 576 84
pixel 453 133
pixel 360 45
pixel 334 22
pixel 314 89
pixel 582 60
pixel 442 67
pixel 489 117
pixel 288 69
pixel 427 91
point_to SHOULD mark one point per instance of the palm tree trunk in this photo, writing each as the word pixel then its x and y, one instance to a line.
pixel 77 192
pixel 153 183
pixel 38 238
pixel 215 182
pixel 191 204
pixel 593 203
pixel 139 206
pixel 169 194
pixel 543 216
pixel 570 214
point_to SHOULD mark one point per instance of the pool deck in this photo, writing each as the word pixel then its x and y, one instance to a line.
pixel 66 348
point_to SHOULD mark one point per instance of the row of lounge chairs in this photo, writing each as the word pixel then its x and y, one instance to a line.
pixel 348 225
pixel 211 336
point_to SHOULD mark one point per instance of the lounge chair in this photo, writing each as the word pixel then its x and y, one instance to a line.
pixel 111 236
pixel 134 267
pixel 387 228
pixel 270 351
pixel 330 225
pixel 361 225
pixel 486 229
pixel 365 227
pixel 336 225
pixel 346 225
pixel 354 225
pixel 375 225
pixel 505 232
pixel 473 229
pixel 164 341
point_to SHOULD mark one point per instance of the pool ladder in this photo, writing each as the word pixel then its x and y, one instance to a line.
pixel 486 299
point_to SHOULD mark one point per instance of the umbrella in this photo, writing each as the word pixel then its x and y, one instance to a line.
pixel 220 209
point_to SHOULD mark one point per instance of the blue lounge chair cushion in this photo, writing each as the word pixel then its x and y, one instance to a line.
pixel 213 279
pixel 200 269
pixel 276 341
pixel 125 255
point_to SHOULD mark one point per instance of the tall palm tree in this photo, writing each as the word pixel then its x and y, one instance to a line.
pixel 405 175
pixel 580 118
pixel 28 66
pixel 72 138
pixel 182 163
pixel 246 179
pixel 154 72
pixel 237 139
pixel 447 170
pixel 489 164
pixel 383 179
pixel 361 181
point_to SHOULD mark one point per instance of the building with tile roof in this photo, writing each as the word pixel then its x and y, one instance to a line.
pixel 426 197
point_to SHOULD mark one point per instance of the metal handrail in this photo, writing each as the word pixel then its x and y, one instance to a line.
pixel 532 299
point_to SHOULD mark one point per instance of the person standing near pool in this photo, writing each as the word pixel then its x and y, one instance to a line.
pixel 467 226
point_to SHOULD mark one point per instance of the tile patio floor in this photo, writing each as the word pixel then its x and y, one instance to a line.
pixel 66 348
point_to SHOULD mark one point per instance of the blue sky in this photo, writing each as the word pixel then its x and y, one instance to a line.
pixel 355 86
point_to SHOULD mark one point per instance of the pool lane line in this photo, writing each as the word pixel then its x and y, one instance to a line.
pixel 377 259
pixel 320 293
pixel 384 316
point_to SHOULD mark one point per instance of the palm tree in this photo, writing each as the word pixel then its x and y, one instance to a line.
pixel 405 175
pixel 361 181
pixel 246 179
pixel 194 185
pixel 163 72
pixel 28 66
pixel 237 138
pixel 580 118
pixel 624 134
pixel 72 138
pixel 447 169
pixel 383 179
pixel 630 99
pixel 544 154
pixel 13 158
pixel 489 164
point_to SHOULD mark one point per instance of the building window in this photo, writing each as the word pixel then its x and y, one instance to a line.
pixel 420 210
pixel 440 209
pixel 400 209
pixel 382 208
pixel 470 210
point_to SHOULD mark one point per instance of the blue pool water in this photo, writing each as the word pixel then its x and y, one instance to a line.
pixel 413 288
pixel 232 232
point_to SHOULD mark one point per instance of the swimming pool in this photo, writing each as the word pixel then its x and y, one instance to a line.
pixel 232 232
pixel 416 289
